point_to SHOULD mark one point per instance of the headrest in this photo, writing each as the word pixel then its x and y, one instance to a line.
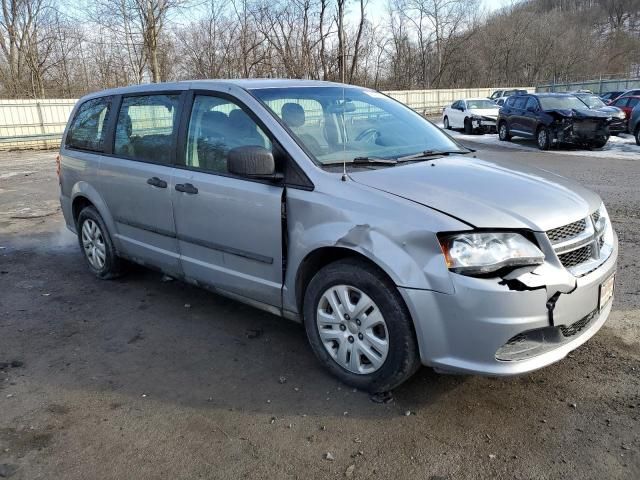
pixel 293 114
pixel 215 118
pixel 239 119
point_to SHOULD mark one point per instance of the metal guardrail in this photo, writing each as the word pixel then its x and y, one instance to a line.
pixel 599 85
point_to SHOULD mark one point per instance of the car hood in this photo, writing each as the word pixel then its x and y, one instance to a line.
pixel 486 194
pixel 485 112
pixel 579 113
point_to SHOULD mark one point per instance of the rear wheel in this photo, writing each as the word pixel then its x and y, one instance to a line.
pixel 543 138
pixel 503 132
pixel 96 245
pixel 359 327
pixel 445 122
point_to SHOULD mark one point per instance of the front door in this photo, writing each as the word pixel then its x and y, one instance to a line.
pixel 229 229
pixel 135 179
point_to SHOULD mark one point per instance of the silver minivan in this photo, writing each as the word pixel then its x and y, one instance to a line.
pixel 338 207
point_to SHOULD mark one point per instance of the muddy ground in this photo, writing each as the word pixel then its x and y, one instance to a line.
pixel 141 378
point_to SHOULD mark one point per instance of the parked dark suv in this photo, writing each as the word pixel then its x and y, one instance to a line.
pixel 553 118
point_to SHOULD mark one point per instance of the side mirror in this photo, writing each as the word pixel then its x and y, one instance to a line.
pixel 252 162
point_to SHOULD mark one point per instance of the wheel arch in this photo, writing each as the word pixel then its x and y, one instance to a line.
pixel 84 195
pixel 322 256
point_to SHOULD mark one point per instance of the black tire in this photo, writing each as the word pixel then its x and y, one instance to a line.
pixel 445 123
pixel 112 267
pixel 503 132
pixel 543 138
pixel 402 359
pixel 468 127
pixel 600 142
pixel 637 134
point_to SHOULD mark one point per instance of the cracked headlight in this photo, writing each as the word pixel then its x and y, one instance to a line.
pixel 486 252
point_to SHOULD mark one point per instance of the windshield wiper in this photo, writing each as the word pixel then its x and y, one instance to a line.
pixel 375 160
pixel 430 153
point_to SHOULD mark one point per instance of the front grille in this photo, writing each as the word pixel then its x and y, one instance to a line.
pixel 557 235
pixel 585 127
pixel 535 342
pixel 577 327
pixel 576 257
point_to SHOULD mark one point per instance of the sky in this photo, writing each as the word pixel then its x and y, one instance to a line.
pixel 377 8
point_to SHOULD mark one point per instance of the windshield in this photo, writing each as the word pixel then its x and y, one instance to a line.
pixel 481 104
pixel 337 124
pixel 561 103
pixel 592 101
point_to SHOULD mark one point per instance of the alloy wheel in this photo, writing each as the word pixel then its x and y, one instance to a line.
pixel 93 244
pixel 542 138
pixel 352 329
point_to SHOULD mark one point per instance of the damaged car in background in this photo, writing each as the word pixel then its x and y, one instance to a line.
pixel 553 119
pixel 340 208
pixel 618 116
pixel 474 115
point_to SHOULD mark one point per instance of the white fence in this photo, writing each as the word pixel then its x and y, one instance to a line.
pixel 40 123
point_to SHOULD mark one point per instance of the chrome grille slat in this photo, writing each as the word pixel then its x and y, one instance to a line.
pixel 576 257
pixel 559 234
pixel 578 244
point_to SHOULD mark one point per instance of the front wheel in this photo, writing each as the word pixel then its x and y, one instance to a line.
pixel 543 138
pixel 468 127
pixel 359 327
pixel 637 134
pixel 600 142
pixel 445 122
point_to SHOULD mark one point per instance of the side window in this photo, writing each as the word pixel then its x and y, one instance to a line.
pixel 309 122
pixel 216 126
pixel 87 130
pixel 519 102
pixel 146 127
pixel 509 102
pixel 633 102
pixel 621 102
pixel 532 103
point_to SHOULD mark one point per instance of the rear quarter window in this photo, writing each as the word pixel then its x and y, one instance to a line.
pixel 88 127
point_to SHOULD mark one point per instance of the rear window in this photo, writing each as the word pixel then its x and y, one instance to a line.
pixel 145 128
pixel 88 128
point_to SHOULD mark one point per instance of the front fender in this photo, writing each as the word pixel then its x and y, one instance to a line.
pixel 411 260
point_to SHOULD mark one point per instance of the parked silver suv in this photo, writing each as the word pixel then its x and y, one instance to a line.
pixel 338 207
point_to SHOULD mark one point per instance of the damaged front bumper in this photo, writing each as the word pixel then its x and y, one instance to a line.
pixel 484 124
pixel 495 327
pixel 579 131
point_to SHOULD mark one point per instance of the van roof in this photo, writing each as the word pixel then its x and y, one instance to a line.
pixel 245 83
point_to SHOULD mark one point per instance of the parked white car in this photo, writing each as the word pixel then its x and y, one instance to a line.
pixel 471 114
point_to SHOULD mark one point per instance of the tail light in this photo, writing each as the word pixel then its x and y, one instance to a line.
pixel 58 167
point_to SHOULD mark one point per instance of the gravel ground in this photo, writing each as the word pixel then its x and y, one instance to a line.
pixel 141 378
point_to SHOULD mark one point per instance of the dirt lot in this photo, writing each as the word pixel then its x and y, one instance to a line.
pixel 142 379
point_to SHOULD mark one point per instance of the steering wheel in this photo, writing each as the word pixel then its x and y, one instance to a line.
pixel 370 134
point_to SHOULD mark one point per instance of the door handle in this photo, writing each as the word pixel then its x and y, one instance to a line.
pixel 186 188
pixel 156 182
